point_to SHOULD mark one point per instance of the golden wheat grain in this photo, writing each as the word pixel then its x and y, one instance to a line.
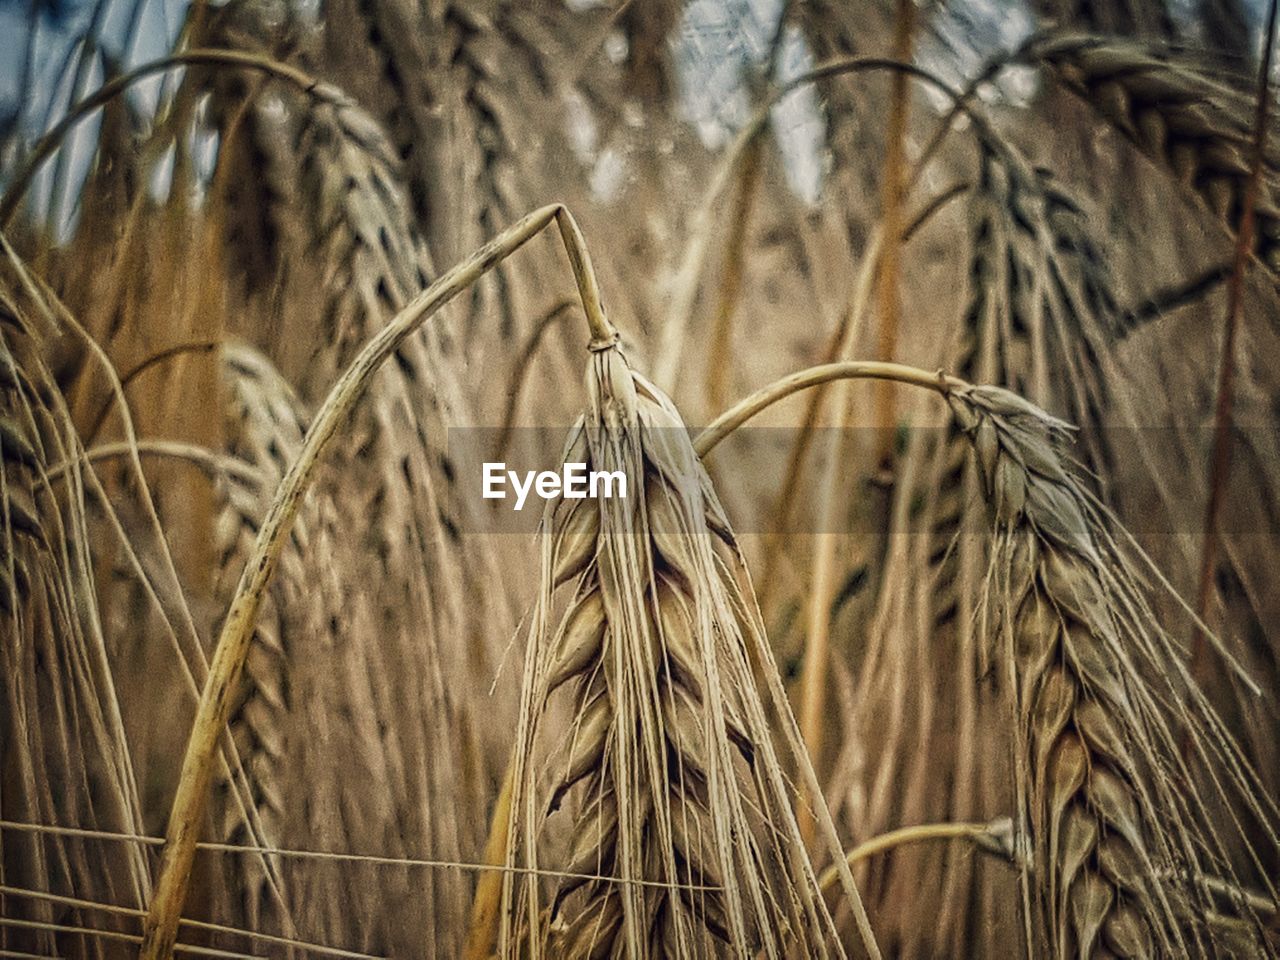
pixel 1120 835
pixel 681 810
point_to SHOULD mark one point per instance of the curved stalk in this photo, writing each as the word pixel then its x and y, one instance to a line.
pixel 194 346
pixel 210 461
pixel 482 935
pixel 666 366
pixel 766 397
pixel 995 837
pixel 524 362
pixel 161 925
pixel 46 146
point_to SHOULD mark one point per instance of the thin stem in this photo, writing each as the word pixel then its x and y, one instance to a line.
pixel 120 911
pixel 895 191
pixel 989 836
pixel 766 397
pixel 212 462
pixel 483 932
pixel 932 207
pixel 524 362
pixel 225 671
pixel 1223 420
pixel 602 331
pixel 719 368
pixel 195 346
pixel 719 357
pixel 46 145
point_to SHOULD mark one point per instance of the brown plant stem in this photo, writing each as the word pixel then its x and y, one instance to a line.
pixel 1223 420
pixel 227 667
pixel 718 356
pixel 482 934
pixel 780 389
pixel 718 369
pixel 894 189
pixel 995 837
pixel 524 361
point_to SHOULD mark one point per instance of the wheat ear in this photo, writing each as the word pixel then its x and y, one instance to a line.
pixel 1120 831
pixel 683 819
pixel 66 758
pixel 1125 856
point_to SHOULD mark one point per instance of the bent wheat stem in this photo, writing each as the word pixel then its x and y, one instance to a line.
pixel 46 145
pixel 160 928
pixel 995 837
pixel 766 397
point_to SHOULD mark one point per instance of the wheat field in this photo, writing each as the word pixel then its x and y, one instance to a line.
pixel 639 479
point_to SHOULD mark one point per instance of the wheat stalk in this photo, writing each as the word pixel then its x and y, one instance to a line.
pixel 681 809
pixel 458 86
pixel 235 640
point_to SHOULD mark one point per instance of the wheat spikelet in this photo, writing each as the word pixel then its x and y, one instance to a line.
pixel 669 753
pixel 456 87
pixel 309 643
pixel 408 648
pixel 256 196
pixel 264 428
pixel 1200 128
pixel 1181 116
pixel 1121 837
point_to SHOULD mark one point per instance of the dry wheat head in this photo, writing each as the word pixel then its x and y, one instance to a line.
pixel 1119 833
pixel 65 758
pixel 679 807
